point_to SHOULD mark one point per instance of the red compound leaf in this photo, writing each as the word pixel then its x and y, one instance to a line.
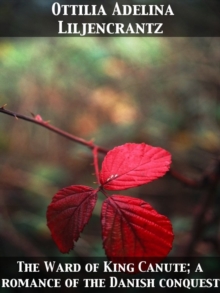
pixel 131 228
pixel 132 165
pixel 68 213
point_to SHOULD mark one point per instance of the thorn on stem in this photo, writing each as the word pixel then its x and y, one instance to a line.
pixel 2 107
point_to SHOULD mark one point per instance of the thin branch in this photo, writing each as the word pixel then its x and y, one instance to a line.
pixel 38 120
pixel 96 164
pixel 187 181
pixel 201 210
pixel 46 124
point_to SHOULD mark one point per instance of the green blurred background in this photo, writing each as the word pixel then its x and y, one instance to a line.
pixel 161 91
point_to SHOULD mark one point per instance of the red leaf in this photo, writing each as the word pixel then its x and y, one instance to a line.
pixel 132 165
pixel 68 213
pixel 132 228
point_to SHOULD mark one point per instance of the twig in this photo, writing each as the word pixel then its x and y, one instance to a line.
pixel 38 120
pixel 45 124
pixel 187 181
pixel 96 164
pixel 201 210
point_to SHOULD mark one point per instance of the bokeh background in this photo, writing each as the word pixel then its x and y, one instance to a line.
pixel 161 91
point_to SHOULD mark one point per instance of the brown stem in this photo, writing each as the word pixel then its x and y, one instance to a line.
pixel 201 210
pixel 96 164
pixel 187 181
pixel 89 144
pixel 45 124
